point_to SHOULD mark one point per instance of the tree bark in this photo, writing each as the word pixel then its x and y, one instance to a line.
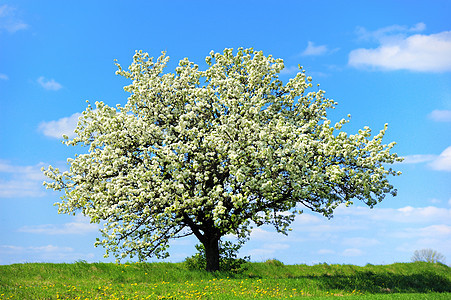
pixel 212 254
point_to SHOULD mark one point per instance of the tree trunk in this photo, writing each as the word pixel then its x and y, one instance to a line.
pixel 212 254
pixel 209 239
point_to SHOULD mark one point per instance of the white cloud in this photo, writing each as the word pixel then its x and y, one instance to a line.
pixel 443 161
pixel 289 70
pixel 356 232
pixel 440 244
pixel 276 246
pixel 260 253
pixel 418 158
pixel 81 225
pixel 439 231
pixel 267 250
pixel 440 115
pixel 435 201
pixel 326 251
pixel 48 253
pixel 3 76
pixel 360 242
pixel 407 214
pixel 260 234
pixel 389 32
pixel 308 219
pixel 49 84
pixel 29 172
pixel 418 52
pixel 21 181
pixel 16 188
pixel 57 128
pixel 46 249
pixel 294 70
pixel 440 162
pixel 314 50
pixel 315 74
pixel 316 225
pixel 352 252
pixel 357 235
pixel 428 213
pixel 9 20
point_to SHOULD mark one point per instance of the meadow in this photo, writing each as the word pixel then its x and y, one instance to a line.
pixel 265 280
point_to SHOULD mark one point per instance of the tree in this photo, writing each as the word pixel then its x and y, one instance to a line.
pixel 214 152
pixel 428 255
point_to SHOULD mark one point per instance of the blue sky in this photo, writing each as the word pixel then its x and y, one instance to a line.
pixel 382 61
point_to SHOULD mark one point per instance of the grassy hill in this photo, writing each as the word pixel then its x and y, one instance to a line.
pixel 266 280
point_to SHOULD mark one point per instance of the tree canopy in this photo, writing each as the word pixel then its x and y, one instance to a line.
pixel 428 255
pixel 214 152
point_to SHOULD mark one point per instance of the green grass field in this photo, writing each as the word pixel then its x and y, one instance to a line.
pixel 267 280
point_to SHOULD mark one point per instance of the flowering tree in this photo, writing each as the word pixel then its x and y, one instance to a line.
pixel 212 153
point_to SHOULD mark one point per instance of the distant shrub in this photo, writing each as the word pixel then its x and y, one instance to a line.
pixel 274 262
pixel 428 255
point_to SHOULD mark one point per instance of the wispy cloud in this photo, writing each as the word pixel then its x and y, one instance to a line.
pixel 3 76
pixel 357 233
pixel 436 231
pixel 407 214
pixel 326 251
pixel 409 227
pixel 57 128
pixel 440 162
pixel 313 50
pixel 40 249
pixel 259 234
pixel 81 225
pixel 358 242
pixel 418 158
pixel 294 70
pixel 440 115
pixel 388 33
pixel 9 21
pixel 352 252
pixel 398 50
pixel 289 70
pixel 20 181
pixel 49 84
pixel 48 253
pixel 443 161
pixel 267 250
